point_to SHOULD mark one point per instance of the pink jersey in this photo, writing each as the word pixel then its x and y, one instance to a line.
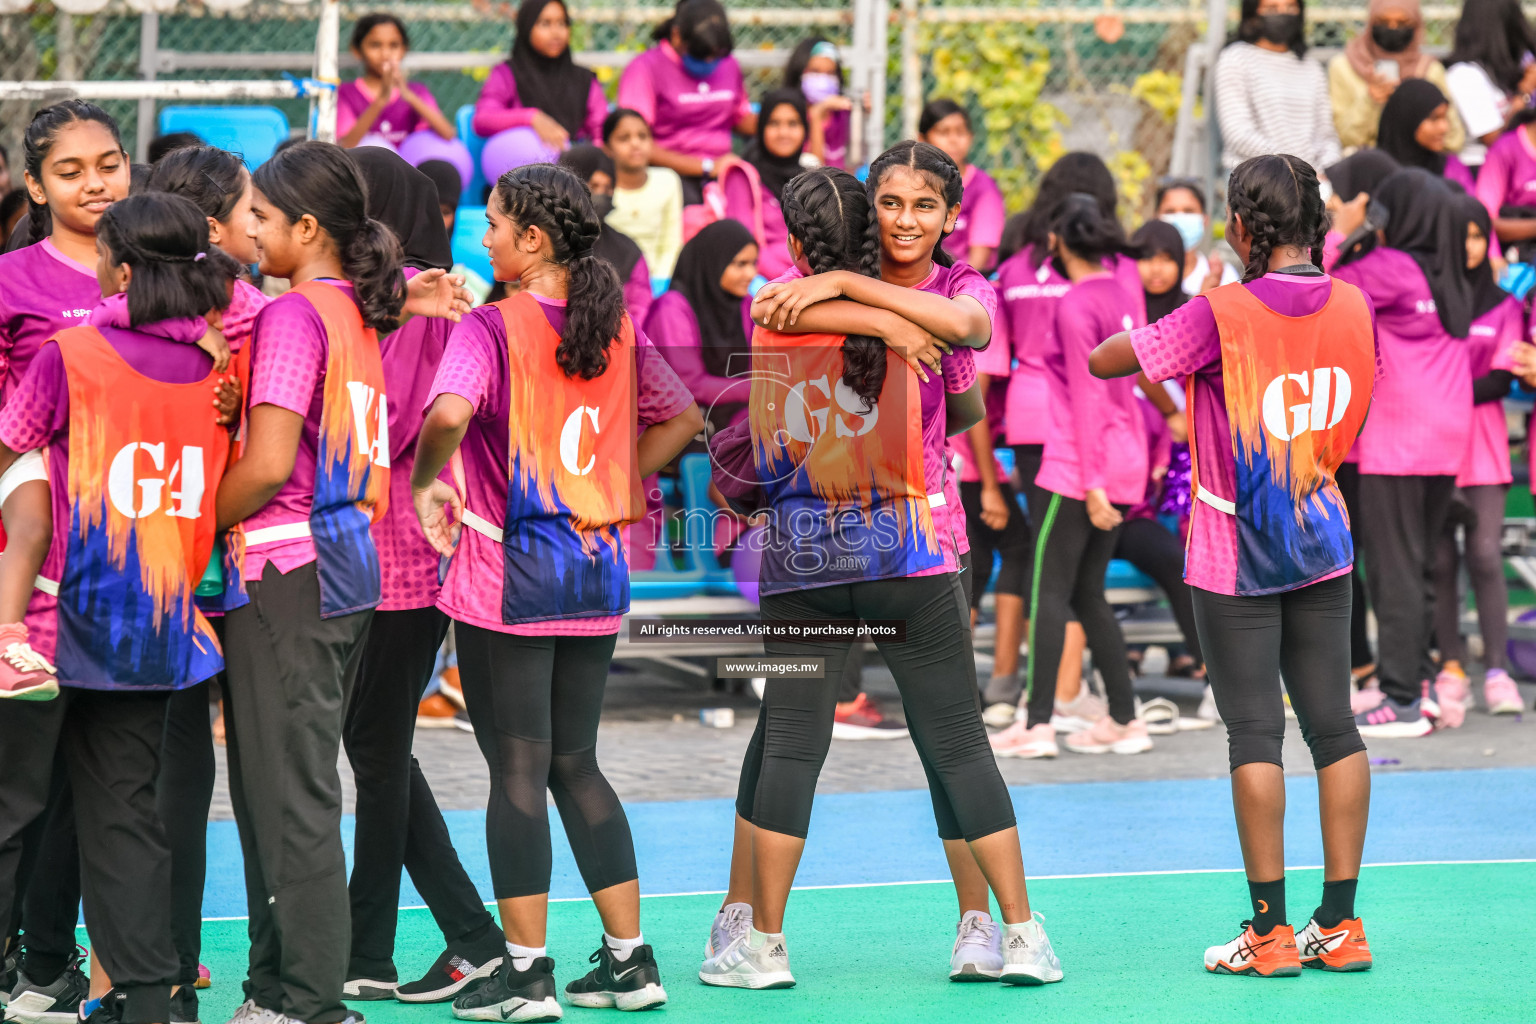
pixel 687 115
pixel 1096 439
pixel 498 107
pixel 773 256
pixel 981 215
pixel 42 291
pixel 993 361
pixel 1508 177
pixel 1489 346
pixel 398 118
pixel 1421 415
pixel 1028 293
pixel 475 368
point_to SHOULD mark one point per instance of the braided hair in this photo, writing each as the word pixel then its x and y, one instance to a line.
pixel 827 211
pixel 937 170
pixel 38 140
pixel 212 178
pixel 1278 199
pixel 1072 172
pixel 164 239
pixel 557 202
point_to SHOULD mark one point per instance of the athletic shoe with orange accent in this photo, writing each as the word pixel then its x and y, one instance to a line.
pixel 1259 956
pixel 1335 949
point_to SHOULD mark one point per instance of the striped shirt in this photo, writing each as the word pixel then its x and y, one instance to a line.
pixel 1268 102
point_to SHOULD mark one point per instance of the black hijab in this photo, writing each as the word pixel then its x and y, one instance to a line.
pixel 612 245
pixel 697 278
pixel 554 85
pixel 1363 172
pixel 775 171
pixel 1424 220
pixel 1157 237
pixel 405 200
pixel 1411 102
pixel 1486 293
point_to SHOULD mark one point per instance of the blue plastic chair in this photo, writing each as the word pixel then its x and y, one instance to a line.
pixel 252 132
pixel 464 120
pixel 666 580
pixel 469 225
pixel 1122 575
pixel 699 514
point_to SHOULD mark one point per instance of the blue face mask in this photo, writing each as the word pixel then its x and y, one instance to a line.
pixel 700 69
pixel 1190 226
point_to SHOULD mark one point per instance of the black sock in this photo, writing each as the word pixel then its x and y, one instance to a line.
pixel 1268 905
pixel 1338 903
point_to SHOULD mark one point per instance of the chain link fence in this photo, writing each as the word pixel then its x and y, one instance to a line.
pixel 1040 77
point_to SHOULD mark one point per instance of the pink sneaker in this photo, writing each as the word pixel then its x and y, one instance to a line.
pixel 1367 698
pixel 1501 694
pixel 1452 695
pixel 1018 740
pixel 1106 736
pixel 24 674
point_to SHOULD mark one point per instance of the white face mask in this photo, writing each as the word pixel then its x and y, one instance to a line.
pixel 1190 226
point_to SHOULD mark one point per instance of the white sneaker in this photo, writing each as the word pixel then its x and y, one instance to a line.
pixel 1080 712
pixel 1028 958
pixel 733 921
pixel 999 715
pixel 978 953
pixel 743 965
pixel 1018 740
pixel 250 1013
pixel 1207 710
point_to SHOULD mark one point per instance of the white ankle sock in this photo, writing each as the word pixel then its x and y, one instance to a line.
pixel 524 956
pixel 757 939
pixel 621 948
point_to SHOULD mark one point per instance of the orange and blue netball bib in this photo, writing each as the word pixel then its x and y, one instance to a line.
pixel 844 480
pixel 1297 393
pixel 572 476
pixel 145 460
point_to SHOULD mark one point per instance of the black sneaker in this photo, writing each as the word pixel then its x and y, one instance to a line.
pixel 366 989
pixel 512 995
pixel 55 1003
pixel 454 970
pixel 633 984
pixel 184 1006
pixel 106 1010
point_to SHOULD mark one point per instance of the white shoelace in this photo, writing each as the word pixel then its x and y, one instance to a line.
pixel 736 923
pixel 974 929
pixel 24 659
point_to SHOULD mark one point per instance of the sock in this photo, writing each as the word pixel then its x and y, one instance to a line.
pixel 757 939
pixel 1338 903
pixel 524 956
pixel 621 948
pixel 1268 905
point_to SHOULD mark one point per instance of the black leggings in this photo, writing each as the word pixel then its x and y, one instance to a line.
pixel 183 794
pixel 1151 547
pixel 535 702
pixel 1012 542
pixel 1302 636
pixel 1360 653
pixel 1483 517
pixel 936 674
pixel 1071 557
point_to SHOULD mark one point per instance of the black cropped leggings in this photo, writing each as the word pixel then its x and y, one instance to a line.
pixel 535 702
pixel 1251 643
pixel 936 673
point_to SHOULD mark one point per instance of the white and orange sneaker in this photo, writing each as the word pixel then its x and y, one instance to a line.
pixel 1258 956
pixel 1501 694
pixel 1334 949
pixel 24 674
pixel 1106 736
pixel 1452 695
pixel 1018 740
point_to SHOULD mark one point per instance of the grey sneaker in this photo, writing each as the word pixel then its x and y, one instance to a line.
pixel 250 1013
pixel 978 954
pixel 732 922
pixel 55 1003
pixel 741 965
pixel 1028 956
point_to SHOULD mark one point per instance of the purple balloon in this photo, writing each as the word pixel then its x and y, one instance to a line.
pixel 747 562
pixel 419 147
pixel 515 147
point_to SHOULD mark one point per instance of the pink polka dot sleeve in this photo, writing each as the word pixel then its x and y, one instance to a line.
pixel 1181 343
pixel 663 394
pixel 38 410
pixel 958 370
pixel 469 366
pixel 288 355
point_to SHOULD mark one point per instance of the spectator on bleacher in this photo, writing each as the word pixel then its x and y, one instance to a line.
pixel 539 102
pixel 816 69
pixel 775 154
pixel 979 228
pixel 172 141
pixel 1181 204
pixel 450 189
pixel 704 319
pixel 1507 185
pixel 1490 76
pixel 647 201
pixel 5 171
pixel 382 108
pixel 1383 54
pixel 594 167
pixel 1269 97
pixel 690 91
pixel 1415 129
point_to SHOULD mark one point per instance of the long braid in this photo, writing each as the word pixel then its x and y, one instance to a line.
pixel 1279 202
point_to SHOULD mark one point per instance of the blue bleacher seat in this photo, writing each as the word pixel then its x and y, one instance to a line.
pixel 699 514
pixel 469 226
pixel 1122 575
pixel 464 121
pixel 252 132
